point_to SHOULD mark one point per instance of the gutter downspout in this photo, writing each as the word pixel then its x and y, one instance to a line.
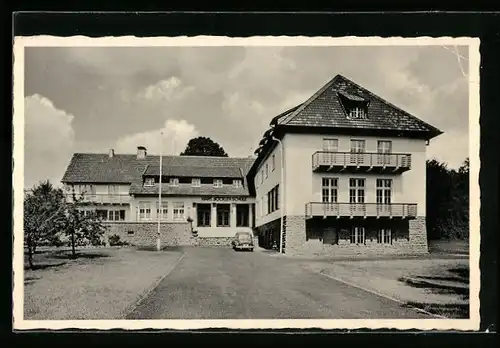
pixel 282 193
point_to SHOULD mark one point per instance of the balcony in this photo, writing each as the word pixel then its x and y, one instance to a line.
pixel 104 198
pixel 325 161
pixel 363 210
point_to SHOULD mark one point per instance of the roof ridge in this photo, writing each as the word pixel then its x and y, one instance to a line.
pixel 311 99
pixel 164 156
pixel 383 100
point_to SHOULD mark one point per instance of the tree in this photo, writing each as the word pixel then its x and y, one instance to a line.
pixel 43 208
pixel 79 226
pixel 447 200
pixel 203 146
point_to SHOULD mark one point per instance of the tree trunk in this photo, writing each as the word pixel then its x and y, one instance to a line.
pixel 73 249
pixel 30 253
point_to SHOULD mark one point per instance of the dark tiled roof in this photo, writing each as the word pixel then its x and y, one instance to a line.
pixel 187 190
pixel 199 172
pixel 325 109
pixel 100 168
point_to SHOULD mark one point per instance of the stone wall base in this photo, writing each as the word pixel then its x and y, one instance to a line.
pixel 214 241
pixel 145 234
pixel 331 238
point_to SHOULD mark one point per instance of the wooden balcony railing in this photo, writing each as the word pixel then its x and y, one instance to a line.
pixel 393 210
pixel 377 162
pixel 101 198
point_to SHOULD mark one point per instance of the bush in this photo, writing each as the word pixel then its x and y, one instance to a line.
pixel 114 240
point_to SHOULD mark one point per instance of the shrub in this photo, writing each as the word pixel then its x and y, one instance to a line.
pixel 114 240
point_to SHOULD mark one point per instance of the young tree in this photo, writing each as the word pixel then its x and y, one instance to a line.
pixel 43 208
pixel 79 226
pixel 203 146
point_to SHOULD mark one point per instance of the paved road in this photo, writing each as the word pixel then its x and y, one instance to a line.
pixel 215 283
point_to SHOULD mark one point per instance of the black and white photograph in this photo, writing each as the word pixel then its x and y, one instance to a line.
pixel 246 183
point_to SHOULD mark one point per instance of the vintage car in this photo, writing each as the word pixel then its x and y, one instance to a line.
pixel 243 241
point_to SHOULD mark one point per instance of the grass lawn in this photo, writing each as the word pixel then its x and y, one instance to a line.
pixel 100 284
pixel 440 286
pixel 449 247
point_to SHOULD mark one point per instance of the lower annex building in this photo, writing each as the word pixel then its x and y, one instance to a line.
pixel 343 173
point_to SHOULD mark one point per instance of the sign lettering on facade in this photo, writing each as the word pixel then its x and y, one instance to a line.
pixel 223 199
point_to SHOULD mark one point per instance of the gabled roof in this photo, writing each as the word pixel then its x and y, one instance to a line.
pixel 325 109
pixel 125 169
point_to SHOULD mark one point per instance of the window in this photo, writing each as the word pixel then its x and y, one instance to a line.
pixel 266 204
pixel 87 189
pixel 223 211
pixel 357 235
pixel 178 209
pixel 242 215
pixel 384 236
pixel 356 190
pixel 357 113
pixel 130 232
pixel 330 145
pixel 357 150
pixel 163 214
pixel 273 199
pixel 273 162
pixel 267 170
pixel 102 214
pixel 384 195
pixel 196 182
pixel 174 182
pixel 384 148
pixel 329 190
pixel 261 177
pixel 204 214
pixel 144 211
pixel 149 182
pixel 113 189
pixel 217 183
pixel 116 215
pixel 237 183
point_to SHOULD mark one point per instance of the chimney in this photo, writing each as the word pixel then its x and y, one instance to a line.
pixel 141 152
pixel 111 153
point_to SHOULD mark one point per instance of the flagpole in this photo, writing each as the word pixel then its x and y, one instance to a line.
pixel 158 240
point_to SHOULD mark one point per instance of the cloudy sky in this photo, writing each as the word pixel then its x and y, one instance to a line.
pixel 95 98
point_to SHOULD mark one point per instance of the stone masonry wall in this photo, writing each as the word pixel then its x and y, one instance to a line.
pixel 145 233
pixel 214 241
pixel 297 230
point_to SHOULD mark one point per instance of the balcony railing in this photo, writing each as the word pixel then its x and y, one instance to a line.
pixel 101 198
pixel 377 162
pixel 340 210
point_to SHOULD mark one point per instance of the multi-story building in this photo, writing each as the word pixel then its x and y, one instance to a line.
pixel 204 196
pixel 342 173
pixel 354 176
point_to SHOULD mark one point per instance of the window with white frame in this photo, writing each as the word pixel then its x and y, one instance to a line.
pixel 357 151
pixel 162 212
pixel 330 145
pixel 357 235
pixel 87 189
pixel 144 211
pixel 356 190
pixel 178 210
pixel 116 215
pixel 174 182
pixel 149 182
pixel 223 212
pixel 357 113
pixel 329 190
pixel 384 148
pixel 384 236
pixel 237 183
pixel 384 191
pixel 273 162
pixel 217 183
pixel 196 182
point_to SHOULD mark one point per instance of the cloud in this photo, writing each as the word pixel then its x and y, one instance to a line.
pixel 49 140
pixel 176 134
pixel 166 90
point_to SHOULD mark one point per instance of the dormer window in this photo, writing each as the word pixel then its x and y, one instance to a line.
pixel 174 182
pixel 195 182
pixel 357 113
pixel 237 183
pixel 149 182
pixel 217 183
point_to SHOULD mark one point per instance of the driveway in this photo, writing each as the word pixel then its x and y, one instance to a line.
pixel 218 283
